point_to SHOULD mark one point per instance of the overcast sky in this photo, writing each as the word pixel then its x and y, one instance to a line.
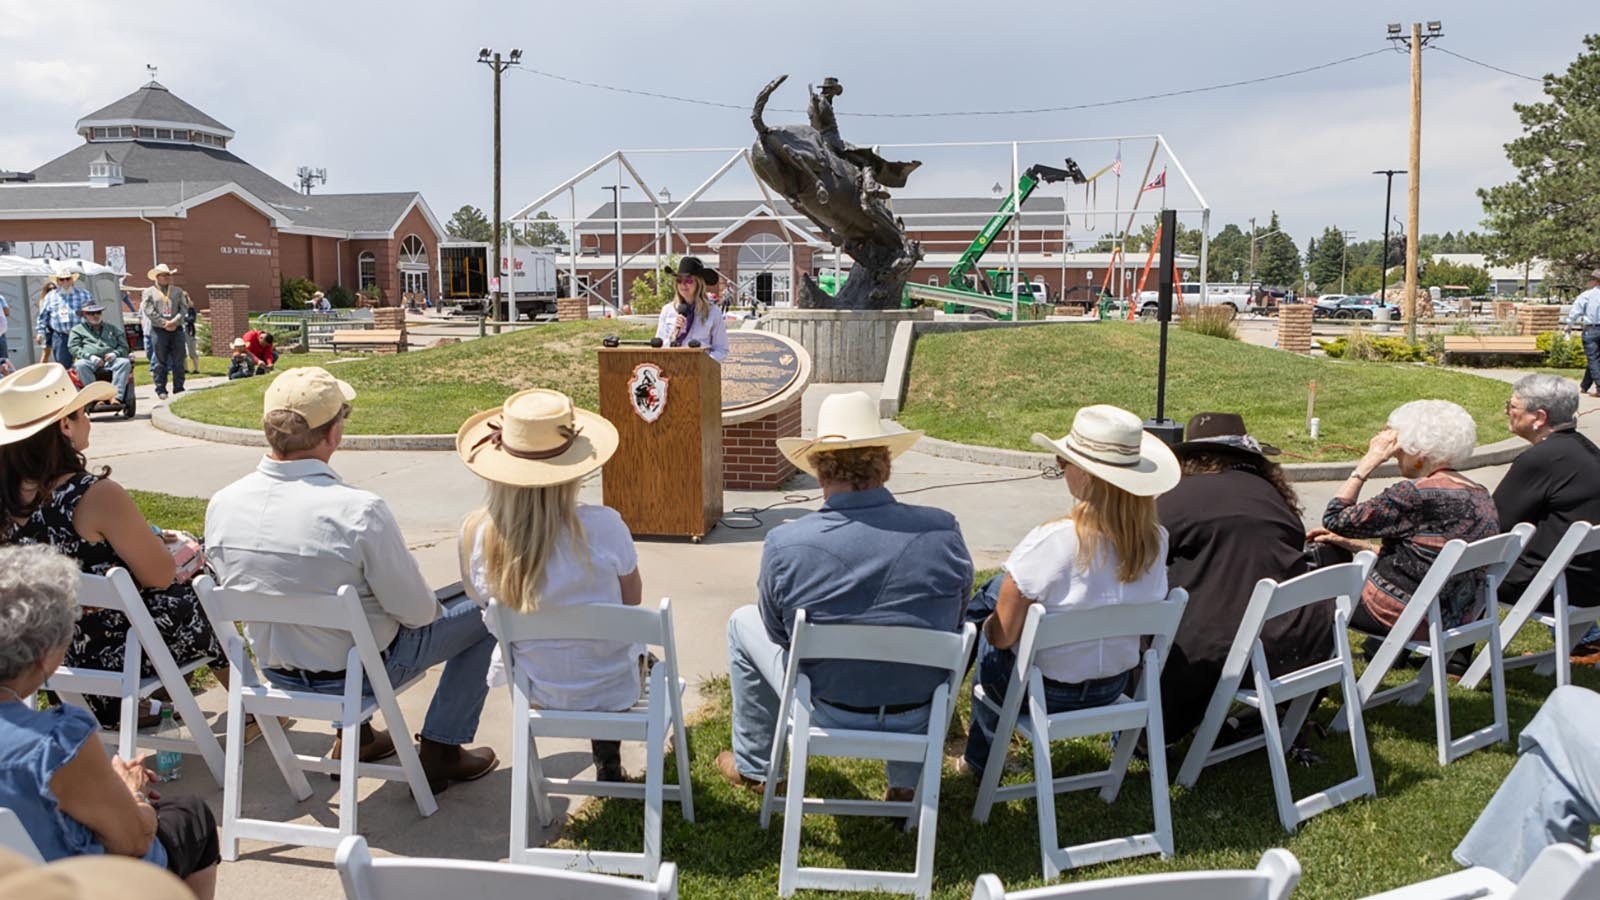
pixel 388 96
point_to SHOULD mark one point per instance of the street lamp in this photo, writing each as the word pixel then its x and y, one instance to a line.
pixel 1388 197
pixel 492 60
pixel 1344 250
pixel 616 219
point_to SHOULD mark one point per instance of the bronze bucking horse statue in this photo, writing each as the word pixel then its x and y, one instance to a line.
pixel 841 188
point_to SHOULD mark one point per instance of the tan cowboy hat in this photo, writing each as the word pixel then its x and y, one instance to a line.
pixel 538 438
pixel 161 269
pixel 318 295
pixel 59 272
pixel 83 877
pixel 846 421
pixel 35 397
pixel 1112 445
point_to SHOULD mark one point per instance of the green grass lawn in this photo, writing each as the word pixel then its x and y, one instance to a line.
pixel 1225 821
pixel 434 391
pixel 175 513
pixel 997 387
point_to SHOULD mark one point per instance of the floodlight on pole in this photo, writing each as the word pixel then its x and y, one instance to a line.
pixel 1414 43
pixel 493 61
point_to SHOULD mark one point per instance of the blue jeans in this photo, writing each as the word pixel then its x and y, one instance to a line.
pixel 458 639
pixel 994 673
pixel 756 669
pixel 59 351
pixel 1552 793
pixel 5 349
pixel 169 358
pixel 121 370
pixel 1591 350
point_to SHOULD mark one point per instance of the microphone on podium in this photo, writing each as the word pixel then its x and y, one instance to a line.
pixel 655 342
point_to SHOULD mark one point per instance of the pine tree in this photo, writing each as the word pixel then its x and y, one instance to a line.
pixel 1327 261
pixel 1278 260
pixel 469 224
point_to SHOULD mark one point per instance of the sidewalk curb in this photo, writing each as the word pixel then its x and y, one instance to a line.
pixel 164 419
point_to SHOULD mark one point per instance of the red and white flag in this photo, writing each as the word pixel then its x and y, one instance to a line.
pixel 1116 166
pixel 1160 182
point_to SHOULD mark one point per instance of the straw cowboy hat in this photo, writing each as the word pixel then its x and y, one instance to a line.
pixel 84 877
pixel 162 269
pixel 1219 430
pixel 59 272
pixel 846 421
pixel 1112 445
pixel 35 397
pixel 537 439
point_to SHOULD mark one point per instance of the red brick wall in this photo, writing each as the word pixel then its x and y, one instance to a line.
pixel 213 253
pixel 750 457
pixel 230 315
pixel 130 234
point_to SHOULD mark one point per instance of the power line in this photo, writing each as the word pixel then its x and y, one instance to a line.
pixel 964 113
pixel 1479 62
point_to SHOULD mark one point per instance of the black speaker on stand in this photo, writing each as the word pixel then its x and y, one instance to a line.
pixel 1161 426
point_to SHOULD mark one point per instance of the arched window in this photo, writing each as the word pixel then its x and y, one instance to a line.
pixel 413 253
pixel 367 266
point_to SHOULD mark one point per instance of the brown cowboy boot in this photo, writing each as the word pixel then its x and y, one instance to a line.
pixel 445 764
pixel 375 745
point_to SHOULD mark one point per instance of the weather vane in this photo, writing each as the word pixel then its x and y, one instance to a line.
pixel 152 70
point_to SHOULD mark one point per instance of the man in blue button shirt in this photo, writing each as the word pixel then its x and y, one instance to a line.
pixel 1586 312
pixel 862 559
pixel 58 314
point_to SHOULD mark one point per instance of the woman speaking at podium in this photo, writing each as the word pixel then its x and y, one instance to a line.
pixel 693 318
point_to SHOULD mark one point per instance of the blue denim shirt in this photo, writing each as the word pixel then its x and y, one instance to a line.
pixel 866 559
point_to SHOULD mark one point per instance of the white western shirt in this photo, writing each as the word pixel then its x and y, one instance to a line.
pixel 295 529
pixel 1586 309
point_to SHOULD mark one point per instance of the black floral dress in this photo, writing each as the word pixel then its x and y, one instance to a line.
pixel 101 634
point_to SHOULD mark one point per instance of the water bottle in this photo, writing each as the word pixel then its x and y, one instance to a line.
pixel 169 763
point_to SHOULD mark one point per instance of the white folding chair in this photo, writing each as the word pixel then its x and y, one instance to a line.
pixel 797 737
pixel 115 591
pixel 403 878
pixel 1299 687
pixel 1274 878
pixel 1561 872
pixel 1567 621
pixel 15 838
pixel 248 692
pixel 1126 716
pixel 1490 557
pixel 646 721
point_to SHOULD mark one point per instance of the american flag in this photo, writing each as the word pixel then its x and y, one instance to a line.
pixel 1116 166
pixel 1160 182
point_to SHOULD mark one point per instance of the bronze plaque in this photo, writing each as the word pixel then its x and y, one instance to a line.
pixel 758 367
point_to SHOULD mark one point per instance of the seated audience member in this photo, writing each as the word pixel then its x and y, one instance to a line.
pixel 534 543
pixel 1551 795
pixel 98 346
pixel 263 348
pixel 241 364
pixel 73 799
pixel 1551 485
pixel 864 558
pixel 1415 517
pixel 1232 520
pixel 294 528
pixel 1109 548
pixel 49 496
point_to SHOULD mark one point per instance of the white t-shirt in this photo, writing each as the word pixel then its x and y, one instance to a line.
pixel 575 674
pixel 1045 567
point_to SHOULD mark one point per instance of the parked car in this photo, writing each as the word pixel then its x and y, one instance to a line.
pixel 1361 308
pixel 1327 306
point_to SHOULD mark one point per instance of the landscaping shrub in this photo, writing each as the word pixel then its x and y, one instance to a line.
pixel 295 293
pixel 340 297
pixel 653 290
pixel 1211 321
pixel 1561 351
pixel 1359 345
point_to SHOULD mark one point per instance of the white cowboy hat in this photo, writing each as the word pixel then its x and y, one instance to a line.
pixel 1112 445
pixel 538 438
pixel 161 269
pixel 846 421
pixel 35 397
pixel 317 295
pixel 59 272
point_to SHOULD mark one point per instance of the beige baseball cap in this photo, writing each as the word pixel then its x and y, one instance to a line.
pixel 310 391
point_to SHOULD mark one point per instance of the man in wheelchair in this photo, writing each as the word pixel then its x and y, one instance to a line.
pixel 99 348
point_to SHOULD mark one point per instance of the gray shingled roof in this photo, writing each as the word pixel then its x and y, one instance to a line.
pixel 155 103
pixel 948 212
pixel 348 212
pixel 79 196
pixel 160 162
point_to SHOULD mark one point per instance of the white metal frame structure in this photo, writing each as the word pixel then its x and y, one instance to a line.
pixel 404 878
pixel 116 591
pixel 647 721
pixel 1125 717
pixel 1491 557
pixel 801 740
pixel 672 217
pixel 1274 878
pixel 249 692
pixel 1566 620
pixel 1300 688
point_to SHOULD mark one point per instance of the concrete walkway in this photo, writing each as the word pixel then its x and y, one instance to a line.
pixel 430 492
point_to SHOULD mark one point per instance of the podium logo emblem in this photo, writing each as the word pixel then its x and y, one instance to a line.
pixel 648 391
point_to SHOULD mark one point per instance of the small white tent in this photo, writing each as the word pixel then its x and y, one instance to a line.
pixel 23 282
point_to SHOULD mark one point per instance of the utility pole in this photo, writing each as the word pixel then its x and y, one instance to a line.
pixel 1414 44
pixel 493 61
pixel 1383 265
pixel 1253 260
pixel 1344 251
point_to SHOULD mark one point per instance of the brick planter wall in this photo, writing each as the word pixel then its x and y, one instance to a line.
pixel 1294 327
pixel 230 315
pixel 389 317
pixel 1537 319
pixel 1504 309
pixel 572 309
pixel 750 457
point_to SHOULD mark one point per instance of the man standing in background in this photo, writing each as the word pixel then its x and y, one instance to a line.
pixel 58 314
pixel 1585 313
pixel 166 305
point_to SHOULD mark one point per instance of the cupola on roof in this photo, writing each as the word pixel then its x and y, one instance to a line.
pixel 150 111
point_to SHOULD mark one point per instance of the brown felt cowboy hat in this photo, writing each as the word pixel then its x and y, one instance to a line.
pixel 1220 430
pixel 35 397
pixel 844 422
pixel 536 439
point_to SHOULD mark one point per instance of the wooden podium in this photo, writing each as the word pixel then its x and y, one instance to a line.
pixel 666 402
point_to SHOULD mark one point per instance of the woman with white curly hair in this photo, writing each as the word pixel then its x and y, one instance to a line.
pixel 1416 517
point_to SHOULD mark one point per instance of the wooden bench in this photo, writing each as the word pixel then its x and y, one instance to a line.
pixel 369 340
pixel 1489 345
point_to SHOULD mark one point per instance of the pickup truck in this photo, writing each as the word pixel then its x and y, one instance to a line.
pixel 1234 296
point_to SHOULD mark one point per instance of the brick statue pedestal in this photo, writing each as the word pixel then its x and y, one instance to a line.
pixel 750 457
pixel 763 379
pixel 230 315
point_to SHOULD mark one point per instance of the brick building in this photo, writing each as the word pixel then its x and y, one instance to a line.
pixel 154 181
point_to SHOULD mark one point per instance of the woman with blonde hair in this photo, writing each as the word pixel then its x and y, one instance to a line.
pixel 533 546
pixel 692 318
pixel 1110 548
